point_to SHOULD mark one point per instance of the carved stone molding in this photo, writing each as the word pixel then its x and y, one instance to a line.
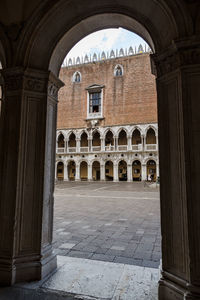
pixel 179 55
pixel 31 80
pixel 54 85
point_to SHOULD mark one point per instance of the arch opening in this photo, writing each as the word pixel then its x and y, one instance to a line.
pixel 109 170
pixel 96 175
pixel 71 170
pixel 83 171
pixel 122 170
pixel 136 170
pixel 151 170
pixel 60 170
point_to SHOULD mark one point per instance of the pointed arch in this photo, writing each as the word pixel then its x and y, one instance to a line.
pixel 137 170
pixel 122 170
pixel 83 170
pixel 109 170
pixel 151 136
pixel 118 70
pixel 76 77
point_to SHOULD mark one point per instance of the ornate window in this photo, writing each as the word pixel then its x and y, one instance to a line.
pixel 76 77
pixel 118 70
pixel 95 102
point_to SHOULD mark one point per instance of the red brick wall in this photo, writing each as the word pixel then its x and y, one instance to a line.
pixel 130 99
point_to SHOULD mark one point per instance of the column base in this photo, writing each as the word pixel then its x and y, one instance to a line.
pixel 27 271
pixel 169 290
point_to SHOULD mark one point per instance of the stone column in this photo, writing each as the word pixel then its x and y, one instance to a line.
pixel 102 144
pixel 157 141
pixel 115 172
pixel 89 172
pixel 144 172
pixel 78 143
pixel 102 172
pixel 116 143
pixel 27 162
pixel 77 175
pixel 157 170
pixel 129 137
pixel 66 145
pixel 144 144
pixel 90 144
pixel 142 140
pixel 178 86
pixel 66 177
pixel 129 172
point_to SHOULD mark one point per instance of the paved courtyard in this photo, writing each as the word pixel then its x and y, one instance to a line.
pixel 113 222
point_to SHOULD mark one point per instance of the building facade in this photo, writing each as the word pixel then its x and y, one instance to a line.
pixel 107 118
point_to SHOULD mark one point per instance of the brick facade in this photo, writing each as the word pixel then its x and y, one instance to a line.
pixel 127 99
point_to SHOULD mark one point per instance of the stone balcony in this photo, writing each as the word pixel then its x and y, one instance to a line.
pixel 110 148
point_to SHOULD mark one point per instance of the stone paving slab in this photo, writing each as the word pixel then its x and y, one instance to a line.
pixel 104 280
pixel 113 221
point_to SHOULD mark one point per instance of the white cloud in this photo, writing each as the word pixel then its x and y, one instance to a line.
pixel 105 40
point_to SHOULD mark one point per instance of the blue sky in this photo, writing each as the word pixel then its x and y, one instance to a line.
pixel 105 40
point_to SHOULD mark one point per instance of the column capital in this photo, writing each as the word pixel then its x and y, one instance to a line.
pixel 181 53
pixel 32 80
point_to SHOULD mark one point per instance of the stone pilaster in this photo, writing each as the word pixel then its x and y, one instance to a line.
pixel 102 144
pixel 78 145
pixel 144 172
pixel 66 176
pixel 178 86
pixel 89 172
pixel 129 142
pixel 115 172
pixel 129 172
pixel 77 176
pixel 27 160
pixel 102 172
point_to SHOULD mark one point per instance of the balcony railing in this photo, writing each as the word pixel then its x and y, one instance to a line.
pixel 137 147
pixel 96 148
pixel 60 150
pixel 71 149
pixel 84 149
pixel 122 148
pixel 151 147
pixel 109 148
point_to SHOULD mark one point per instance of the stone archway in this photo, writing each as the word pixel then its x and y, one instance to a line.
pixel 122 170
pixel 60 170
pixel 109 170
pixel 83 171
pixel 96 170
pixel 171 35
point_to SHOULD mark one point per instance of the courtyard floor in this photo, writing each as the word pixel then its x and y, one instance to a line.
pixel 112 222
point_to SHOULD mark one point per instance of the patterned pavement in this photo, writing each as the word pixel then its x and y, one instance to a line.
pixel 113 222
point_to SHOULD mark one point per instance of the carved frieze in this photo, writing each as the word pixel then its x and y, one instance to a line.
pixel 13 83
pixel 173 59
pixel 31 80
pixel 35 84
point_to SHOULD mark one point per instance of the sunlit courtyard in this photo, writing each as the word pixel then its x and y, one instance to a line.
pixel 113 222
